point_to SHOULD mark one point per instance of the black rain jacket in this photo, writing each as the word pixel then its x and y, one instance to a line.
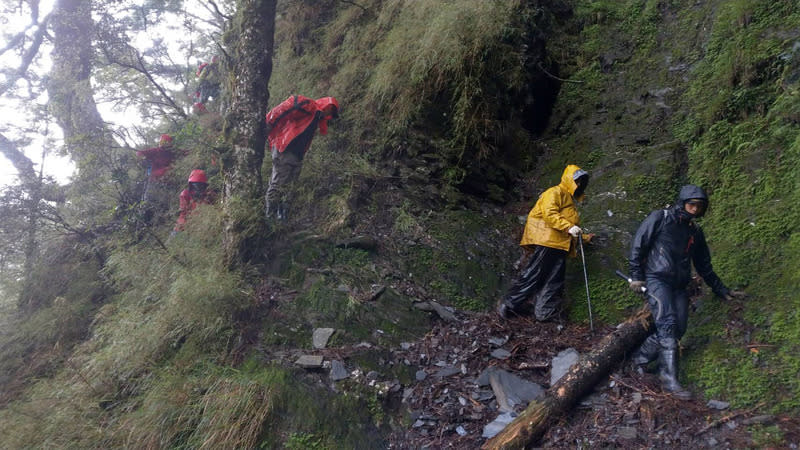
pixel 668 241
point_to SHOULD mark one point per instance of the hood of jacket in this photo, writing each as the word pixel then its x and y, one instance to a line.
pixel 321 104
pixel 688 192
pixel 569 177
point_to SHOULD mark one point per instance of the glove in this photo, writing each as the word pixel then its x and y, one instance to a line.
pixel 575 231
pixel 733 295
pixel 636 286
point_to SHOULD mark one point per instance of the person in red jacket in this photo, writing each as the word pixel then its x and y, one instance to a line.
pixel 291 126
pixel 197 192
pixel 155 193
pixel 159 159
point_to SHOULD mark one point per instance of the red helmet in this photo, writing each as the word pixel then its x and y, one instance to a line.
pixel 165 140
pixel 198 176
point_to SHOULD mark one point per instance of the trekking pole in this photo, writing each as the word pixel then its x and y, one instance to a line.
pixel 586 282
pixel 628 279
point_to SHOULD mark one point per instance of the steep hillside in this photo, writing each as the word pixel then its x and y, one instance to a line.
pixel 403 234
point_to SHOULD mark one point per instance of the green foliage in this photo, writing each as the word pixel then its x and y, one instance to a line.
pixel 456 44
pixel 459 265
pixel 416 78
pixel 733 68
pixel 728 372
pixel 172 305
pixel 748 159
pixel 303 441
pixel 205 407
pixel 452 67
pixel 612 301
pixel 767 436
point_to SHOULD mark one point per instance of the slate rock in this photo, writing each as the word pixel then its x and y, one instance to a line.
pixel 498 342
pixel 309 361
pixel 421 375
pixel 443 312
pixel 511 390
pixel 718 404
pixel 500 353
pixel 320 337
pixel 338 371
pixel 445 372
pixel 483 378
pixel 562 363
pixel 497 425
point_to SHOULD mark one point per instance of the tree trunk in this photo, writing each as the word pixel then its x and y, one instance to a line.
pixel 251 37
pixel 26 302
pixel 529 427
pixel 70 90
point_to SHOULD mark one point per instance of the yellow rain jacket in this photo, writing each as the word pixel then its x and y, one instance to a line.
pixel 554 214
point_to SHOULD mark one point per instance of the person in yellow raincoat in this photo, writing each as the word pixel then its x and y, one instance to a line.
pixel 550 233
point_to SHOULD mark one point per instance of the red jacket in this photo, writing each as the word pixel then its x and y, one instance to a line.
pixel 293 116
pixel 189 203
pixel 159 158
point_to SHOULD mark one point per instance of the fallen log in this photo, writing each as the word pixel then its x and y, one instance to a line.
pixel 532 423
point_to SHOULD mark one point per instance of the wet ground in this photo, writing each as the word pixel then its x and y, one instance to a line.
pixel 627 410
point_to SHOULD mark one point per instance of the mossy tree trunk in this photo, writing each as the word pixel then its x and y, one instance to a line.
pixel 251 39
pixel 72 104
pixel 529 427
pixel 70 91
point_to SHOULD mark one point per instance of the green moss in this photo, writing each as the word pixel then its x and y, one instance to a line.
pixel 461 266
pixel 766 436
pixel 735 119
pixel 612 301
pixel 304 441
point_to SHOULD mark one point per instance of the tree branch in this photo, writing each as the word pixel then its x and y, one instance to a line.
pixel 124 55
pixel 27 57
pixel 22 163
pixel 217 10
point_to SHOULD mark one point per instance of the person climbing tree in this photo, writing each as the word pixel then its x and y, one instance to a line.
pixel 291 126
pixel 197 192
pixel 666 244
pixel 158 159
pixel 208 74
pixel 550 233
pixel 158 162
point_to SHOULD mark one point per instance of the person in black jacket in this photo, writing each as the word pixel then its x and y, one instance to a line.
pixel 663 250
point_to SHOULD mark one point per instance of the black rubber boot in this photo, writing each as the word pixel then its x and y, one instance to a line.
pixel 668 370
pixel 645 354
pixel 504 311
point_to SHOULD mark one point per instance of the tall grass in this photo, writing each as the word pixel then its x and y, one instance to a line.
pixel 453 66
pixel 173 308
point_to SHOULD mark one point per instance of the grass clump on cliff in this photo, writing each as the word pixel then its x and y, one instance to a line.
pixel 449 67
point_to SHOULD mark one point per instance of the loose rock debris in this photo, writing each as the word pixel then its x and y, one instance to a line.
pixel 450 407
pixel 447 405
